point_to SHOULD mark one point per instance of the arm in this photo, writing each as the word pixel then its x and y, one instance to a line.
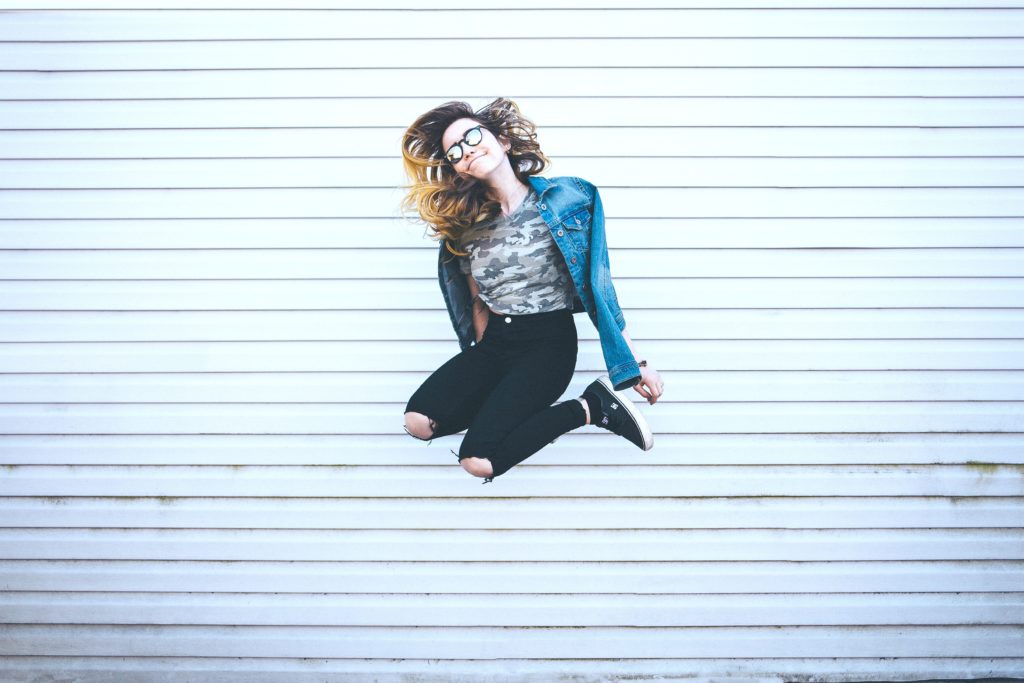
pixel 480 311
pixel 629 342
pixel 651 385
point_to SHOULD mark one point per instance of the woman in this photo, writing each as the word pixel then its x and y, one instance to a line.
pixel 519 254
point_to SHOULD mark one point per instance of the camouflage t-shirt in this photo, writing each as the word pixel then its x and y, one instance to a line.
pixel 516 262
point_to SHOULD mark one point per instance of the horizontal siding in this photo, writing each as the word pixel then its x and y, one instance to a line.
pixel 372 144
pixel 517 545
pixel 651 292
pixel 666 232
pixel 492 642
pixel 290 388
pixel 815 226
pixel 124 326
pixel 520 609
pixel 300 69
pixel 704 511
pixel 607 22
pixel 668 172
pixel 99 75
pixel 644 203
pixel 441 5
pixel 357 356
pixel 273 669
pixel 555 111
pixel 986 450
pixel 674 418
pixel 687 577
pixel 634 481
pixel 351 264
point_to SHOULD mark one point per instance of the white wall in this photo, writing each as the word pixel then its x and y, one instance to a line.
pixel 213 314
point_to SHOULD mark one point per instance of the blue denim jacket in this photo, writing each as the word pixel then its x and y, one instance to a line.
pixel 572 209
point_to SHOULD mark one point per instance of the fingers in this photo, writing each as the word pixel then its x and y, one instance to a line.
pixel 656 389
pixel 650 387
pixel 644 390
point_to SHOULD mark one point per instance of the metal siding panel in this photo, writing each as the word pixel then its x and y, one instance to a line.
pixel 511 611
pixel 473 669
pixel 647 479
pixel 876 54
pixel 656 202
pixel 301 69
pixel 652 292
pixel 591 512
pixel 214 24
pixel 557 111
pixel 658 172
pixel 940 448
pixel 678 512
pixel 417 325
pixel 514 545
pixel 292 264
pixel 488 642
pixel 370 141
pixel 569 577
pixel 398 356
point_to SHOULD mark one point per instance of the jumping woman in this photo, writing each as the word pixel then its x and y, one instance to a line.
pixel 519 255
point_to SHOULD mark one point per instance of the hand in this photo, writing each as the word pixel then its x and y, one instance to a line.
pixel 650 386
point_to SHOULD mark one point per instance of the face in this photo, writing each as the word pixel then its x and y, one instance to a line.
pixel 478 160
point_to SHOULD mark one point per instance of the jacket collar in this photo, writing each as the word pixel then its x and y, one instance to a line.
pixel 540 184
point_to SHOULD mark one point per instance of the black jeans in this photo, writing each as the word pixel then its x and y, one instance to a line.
pixel 501 389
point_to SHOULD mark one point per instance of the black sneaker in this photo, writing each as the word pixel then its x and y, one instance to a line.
pixel 618 414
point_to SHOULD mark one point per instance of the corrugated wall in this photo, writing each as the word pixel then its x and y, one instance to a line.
pixel 212 314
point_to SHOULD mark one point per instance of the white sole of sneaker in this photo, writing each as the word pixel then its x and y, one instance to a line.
pixel 633 411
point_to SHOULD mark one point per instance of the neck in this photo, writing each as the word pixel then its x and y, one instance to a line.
pixel 506 188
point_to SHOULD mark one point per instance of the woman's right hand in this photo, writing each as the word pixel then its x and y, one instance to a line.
pixel 650 386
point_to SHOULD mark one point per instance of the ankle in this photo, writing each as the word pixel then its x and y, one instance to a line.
pixel 586 410
pixel 592 405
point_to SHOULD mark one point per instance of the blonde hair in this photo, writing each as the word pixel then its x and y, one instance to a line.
pixel 451 203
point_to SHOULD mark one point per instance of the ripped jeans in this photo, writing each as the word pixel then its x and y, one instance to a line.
pixel 501 390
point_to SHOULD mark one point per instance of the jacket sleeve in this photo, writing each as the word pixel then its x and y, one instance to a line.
pixel 600 268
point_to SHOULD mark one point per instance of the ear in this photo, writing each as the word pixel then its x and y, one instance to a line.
pixel 505 143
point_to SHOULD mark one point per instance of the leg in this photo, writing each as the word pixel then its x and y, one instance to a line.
pixel 419 426
pixel 448 399
pixel 517 419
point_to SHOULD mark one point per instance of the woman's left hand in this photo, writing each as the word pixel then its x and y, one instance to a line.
pixel 650 386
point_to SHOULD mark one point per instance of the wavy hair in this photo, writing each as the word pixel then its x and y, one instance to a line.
pixel 449 202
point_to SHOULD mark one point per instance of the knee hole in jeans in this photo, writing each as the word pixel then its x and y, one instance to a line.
pixel 478 467
pixel 430 421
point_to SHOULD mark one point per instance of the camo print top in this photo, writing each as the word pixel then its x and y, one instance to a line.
pixel 517 264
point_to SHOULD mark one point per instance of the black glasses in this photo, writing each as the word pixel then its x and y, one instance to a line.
pixel 472 138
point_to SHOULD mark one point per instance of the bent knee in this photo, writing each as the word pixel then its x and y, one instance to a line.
pixel 419 425
pixel 478 467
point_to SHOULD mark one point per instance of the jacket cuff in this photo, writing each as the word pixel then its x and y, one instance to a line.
pixel 625 375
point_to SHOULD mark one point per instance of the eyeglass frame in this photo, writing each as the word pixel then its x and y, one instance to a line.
pixel 459 142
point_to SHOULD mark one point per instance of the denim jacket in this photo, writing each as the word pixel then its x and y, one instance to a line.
pixel 572 209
